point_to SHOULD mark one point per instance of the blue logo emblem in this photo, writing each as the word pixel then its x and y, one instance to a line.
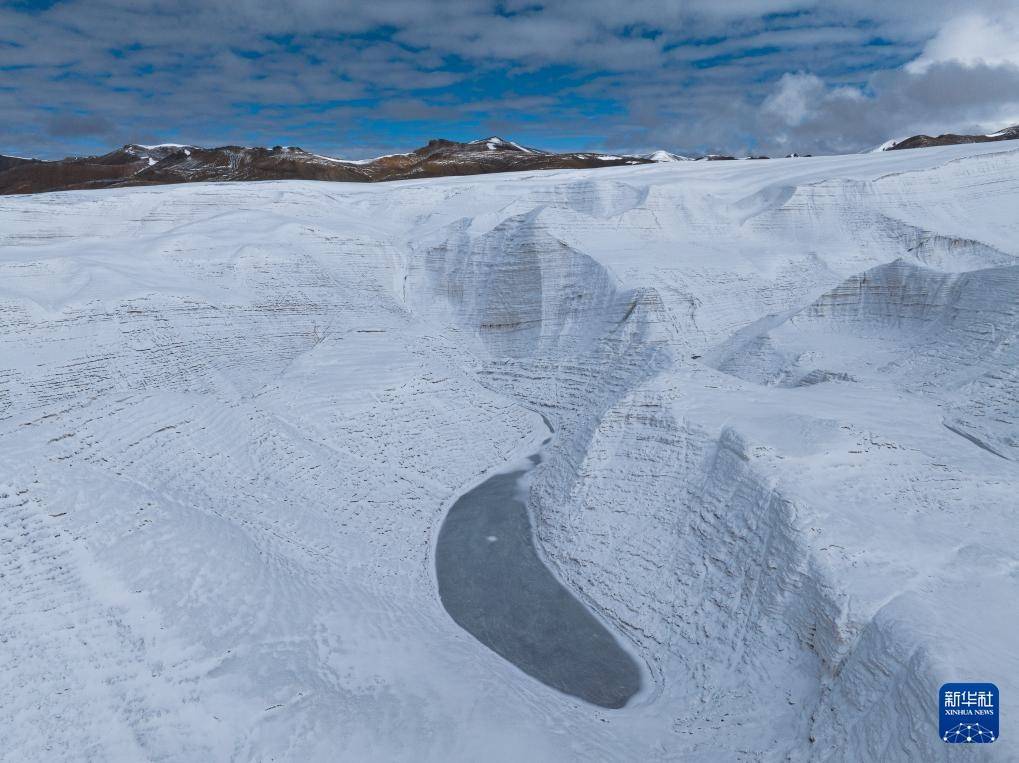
pixel 969 713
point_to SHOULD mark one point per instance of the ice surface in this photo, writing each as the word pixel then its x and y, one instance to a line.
pixel 233 417
pixel 493 583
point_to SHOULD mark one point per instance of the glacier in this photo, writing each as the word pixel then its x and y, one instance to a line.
pixel 785 397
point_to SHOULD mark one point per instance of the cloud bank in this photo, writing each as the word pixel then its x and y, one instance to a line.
pixel 767 76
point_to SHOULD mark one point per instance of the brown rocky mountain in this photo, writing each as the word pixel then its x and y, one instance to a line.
pixel 7 162
pixel 923 141
pixel 171 163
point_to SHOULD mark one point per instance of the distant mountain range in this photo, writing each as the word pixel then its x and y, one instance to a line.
pixel 948 139
pixel 135 164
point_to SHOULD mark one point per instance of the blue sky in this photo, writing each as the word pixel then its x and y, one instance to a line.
pixel 355 79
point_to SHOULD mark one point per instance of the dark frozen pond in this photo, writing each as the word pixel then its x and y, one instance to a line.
pixel 495 586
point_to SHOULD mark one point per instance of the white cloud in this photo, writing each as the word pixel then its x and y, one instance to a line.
pixel 970 40
pixel 795 97
pixel 688 76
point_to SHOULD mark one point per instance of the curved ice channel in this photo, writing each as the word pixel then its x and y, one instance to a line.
pixel 496 587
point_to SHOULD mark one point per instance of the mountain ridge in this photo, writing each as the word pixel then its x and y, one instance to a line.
pixel 950 139
pixel 135 164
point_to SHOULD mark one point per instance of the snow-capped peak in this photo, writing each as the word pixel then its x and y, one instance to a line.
pixel 495 143
pixel 884 146
pixel 665 156
pixel 1011 132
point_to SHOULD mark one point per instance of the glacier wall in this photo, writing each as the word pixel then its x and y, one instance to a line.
pixel 716 559
pixel 784 405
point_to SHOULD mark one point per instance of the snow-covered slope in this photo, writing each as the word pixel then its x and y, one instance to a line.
pixel 784 395
pixel 666 156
